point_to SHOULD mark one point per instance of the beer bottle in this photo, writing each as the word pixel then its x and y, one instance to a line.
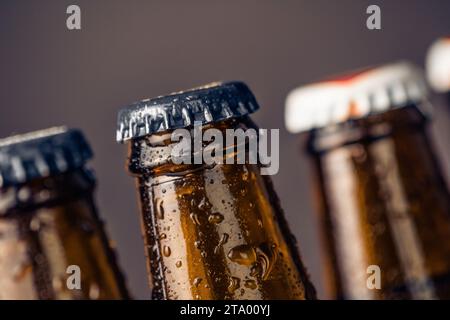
pixel 52 242
pixel 210 231
pixel 384 206
pixel 438 72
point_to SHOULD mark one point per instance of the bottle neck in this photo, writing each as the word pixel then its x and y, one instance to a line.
pixel 153 155
pixel 367 129
pixel 381 189
pixel 213 231
pixel 46 191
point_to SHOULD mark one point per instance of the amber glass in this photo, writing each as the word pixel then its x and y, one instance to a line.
pixel 383 203
pixel 46 226
pixel 213 232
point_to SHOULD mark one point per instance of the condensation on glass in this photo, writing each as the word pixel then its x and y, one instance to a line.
pixel 52 241
pixel 210 232
pixel 384 205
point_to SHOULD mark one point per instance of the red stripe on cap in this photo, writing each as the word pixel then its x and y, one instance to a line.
pixel 347 78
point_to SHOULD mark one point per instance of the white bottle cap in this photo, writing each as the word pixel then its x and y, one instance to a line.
pixel 354 96
pixel 438 65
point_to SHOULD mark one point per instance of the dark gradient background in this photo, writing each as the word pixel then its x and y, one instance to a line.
pixel 129 50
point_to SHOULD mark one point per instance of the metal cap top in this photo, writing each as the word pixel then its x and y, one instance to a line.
pixel 41 154
pixel 354 96
pixel 210 103
pixel 438 65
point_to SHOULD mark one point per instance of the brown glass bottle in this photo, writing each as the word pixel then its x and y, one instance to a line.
pixel 211 231
pixel 50 231
pixel 383 200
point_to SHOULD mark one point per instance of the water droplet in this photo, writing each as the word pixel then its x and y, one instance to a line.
pixel 260 223
pixel 255 270
pixel 204 254
pixel 94 291
pixel 224 238
pixel 243 254
pixel 197 244
pixel 162 236
pixel 215 217
pixel 197 281
pixel 21 270
pixel 44 195
pixel 250 284
pixel 178 264
pixel 159 209
pixel 166 251
pixel 266 256
pixel 194 218
pixel 58 283
pixel 204 204
pixel 163 190
pixel 234 284
pixel 359 154
pixel 35 224
pixel 23 194
pixel 222 241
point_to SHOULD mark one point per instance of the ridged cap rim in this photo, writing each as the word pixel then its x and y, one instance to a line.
pixel 355 95
pixel 210 103
pixel 41 154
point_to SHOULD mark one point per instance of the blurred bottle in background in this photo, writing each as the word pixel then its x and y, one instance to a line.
pixel 438 74
pixel 210 231
pixel 52 242
pixel 384 205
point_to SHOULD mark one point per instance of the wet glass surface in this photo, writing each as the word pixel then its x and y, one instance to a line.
pixel 384 202
pixel 213 232
pixel 46 226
